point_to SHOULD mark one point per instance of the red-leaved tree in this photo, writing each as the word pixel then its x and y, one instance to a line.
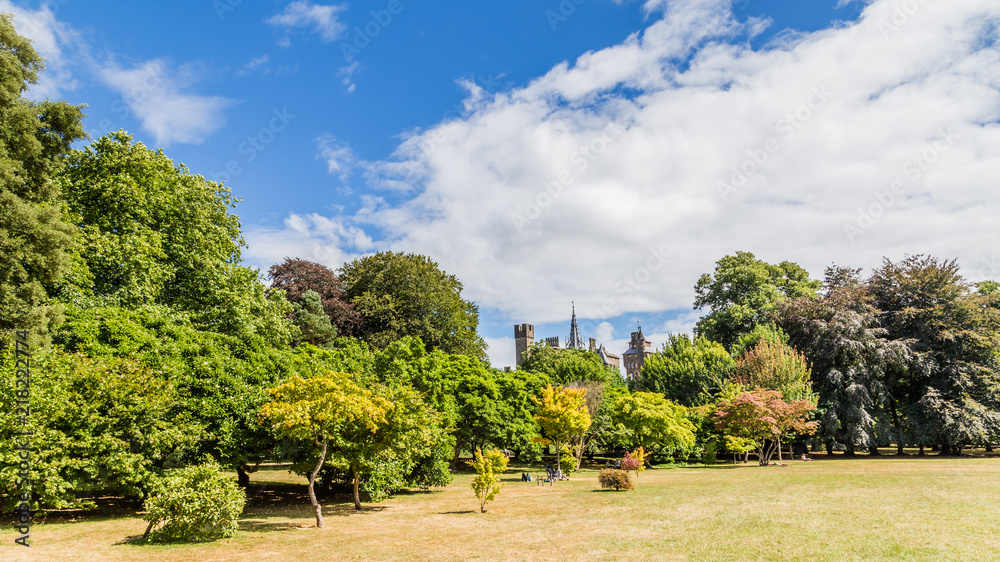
pixel 763 417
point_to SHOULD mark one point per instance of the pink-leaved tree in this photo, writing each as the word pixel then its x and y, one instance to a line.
pixel 763 417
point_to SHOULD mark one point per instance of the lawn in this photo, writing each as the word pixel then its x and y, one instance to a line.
pixel 832 509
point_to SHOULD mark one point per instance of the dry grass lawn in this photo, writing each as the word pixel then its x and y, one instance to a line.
pixel 832 509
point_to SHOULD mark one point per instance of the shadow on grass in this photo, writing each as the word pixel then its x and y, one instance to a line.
pixel 258 526
pixel 456 512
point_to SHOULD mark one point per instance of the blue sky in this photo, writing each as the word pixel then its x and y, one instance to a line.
pixel 593 151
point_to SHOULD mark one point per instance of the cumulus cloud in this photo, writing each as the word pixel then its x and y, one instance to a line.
pixel 318 18
pixel 153 92
pixel 619 178
pixel 57 42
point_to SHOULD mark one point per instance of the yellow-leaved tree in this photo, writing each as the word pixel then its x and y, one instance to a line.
pixel 562 413
pixel 487 483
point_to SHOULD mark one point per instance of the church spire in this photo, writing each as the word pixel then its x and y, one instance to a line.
pixel 575 341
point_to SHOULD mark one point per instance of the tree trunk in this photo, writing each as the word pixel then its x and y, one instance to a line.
pixel 312 484
pixel 357 484
pixel 873 451
pixel 242 478
pixel 829 448
pixel 989 448
pixel 921 453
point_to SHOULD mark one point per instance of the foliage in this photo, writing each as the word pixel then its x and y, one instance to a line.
pixel 313 323
pixel 153 233
pixel 614 479
pixel 636 460
pixel 769 332
pixel 221 379
pixel 565 366
pixel 101 426
pixel 562 413
pixel 325 408
pixel 710 454
pixel 401 295
pixel 297 276
pixel 763 417
pixel 489 468
pixel 194 503
pixel 653 423
pixel 742 292
pixel 688 372
pixel 774 366
pixel 35 240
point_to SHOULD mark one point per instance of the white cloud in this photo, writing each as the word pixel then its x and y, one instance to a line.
pixel 51 39
pixel 839 114
pixel 347 73
pixel 154 93
pixel 501 352
pixel 322 19
pixel 255 64
pixel 312 237
pixel 339 157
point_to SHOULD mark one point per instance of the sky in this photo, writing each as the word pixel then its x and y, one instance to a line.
pixel 600 154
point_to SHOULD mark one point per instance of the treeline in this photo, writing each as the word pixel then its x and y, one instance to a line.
pixel 906 356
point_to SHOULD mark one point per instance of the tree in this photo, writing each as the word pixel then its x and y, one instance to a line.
pixel 154 233
pixel 313 323
pixel 321 409
pixel 850 354
pixel 774 366
pixel 297 276
pixel 948 390
pixel 194 503
pixel 769 332
pixel 564 366
pixel 562 413
pixel 488 468
pixel 653 423
pixel 742 292
pixel 688 372
pixel 763 417
pixel 401 295
pixel 35 240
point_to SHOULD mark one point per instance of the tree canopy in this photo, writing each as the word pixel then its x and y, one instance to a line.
pixel 686 371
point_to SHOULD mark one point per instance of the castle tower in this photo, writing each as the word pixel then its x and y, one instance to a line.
pixel 574 341
pixel 638 350
pixel 524 337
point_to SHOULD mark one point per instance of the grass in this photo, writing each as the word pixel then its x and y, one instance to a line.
pixel 833 509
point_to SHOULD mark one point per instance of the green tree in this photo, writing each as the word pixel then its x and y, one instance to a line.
pixel 562 413
pixel 489 468
pixel 154 233
pixel 101 426
pixel 401 295
pixel 35 240
pixel 653 423
pixel 742 292
pixel 947 392
pixel 564 366
pixel 313 323
pixel 321 409
pixel 194 503
pixel 688 372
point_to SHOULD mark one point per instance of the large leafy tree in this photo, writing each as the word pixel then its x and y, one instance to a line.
pixel 742 292
pixel 154 233
pixel 401 295
pixel 775 366
pixel 35 240
pixel 850 355
pixel 949 390
pixel 687 371
pixel 651 421
pixel 296 277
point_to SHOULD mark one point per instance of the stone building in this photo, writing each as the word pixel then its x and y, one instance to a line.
pixel 524 337
pixel 639 348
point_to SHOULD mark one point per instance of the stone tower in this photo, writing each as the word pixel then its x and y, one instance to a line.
pixel 638 350
pixel 574 341
pixel 524 337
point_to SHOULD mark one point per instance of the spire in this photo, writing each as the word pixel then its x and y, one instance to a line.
pixel 575 341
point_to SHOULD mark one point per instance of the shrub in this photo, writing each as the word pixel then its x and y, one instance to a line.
pixel 194 503
pixel 567 461
pixel 710 454
pixel 614 479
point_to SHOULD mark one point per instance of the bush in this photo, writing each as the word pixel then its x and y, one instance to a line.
pixel 194 503
pixel 567 462
pixel 614 479
pixel 711 453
